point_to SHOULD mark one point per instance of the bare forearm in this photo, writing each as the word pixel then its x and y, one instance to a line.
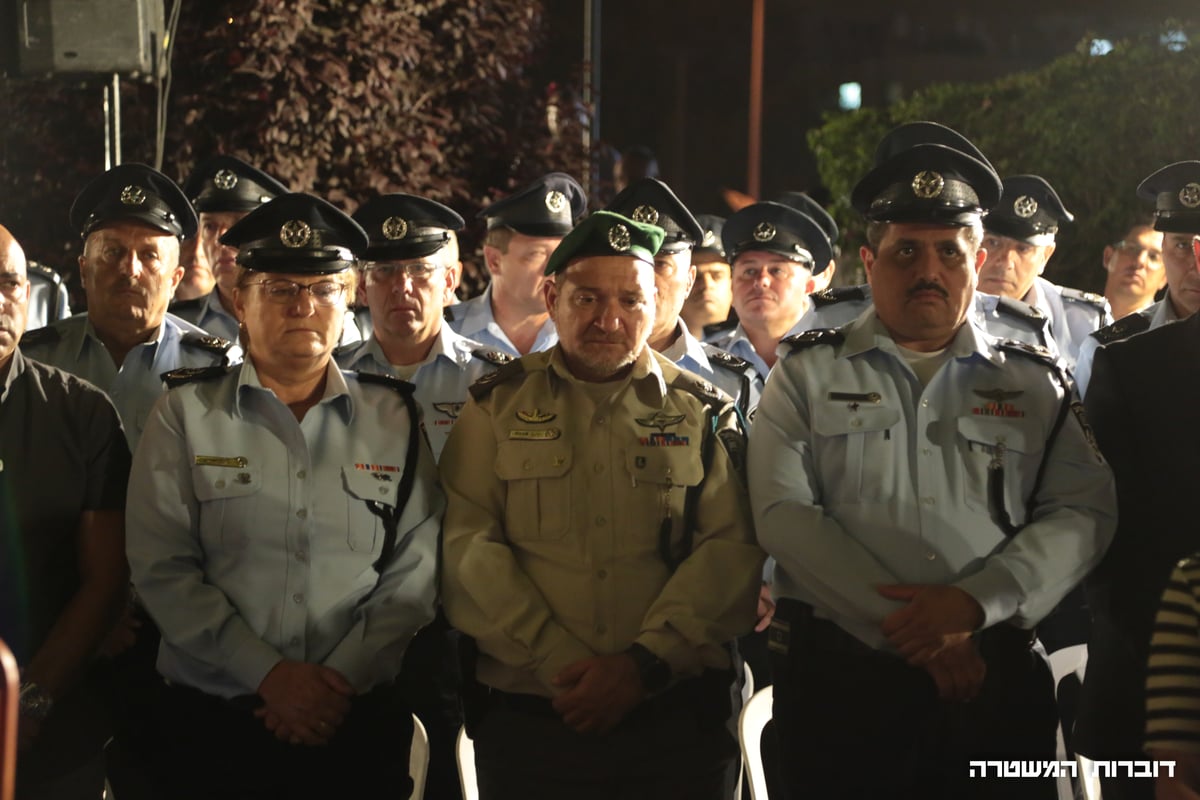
pixel 78 633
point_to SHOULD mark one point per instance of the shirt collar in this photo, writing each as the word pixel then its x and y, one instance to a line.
pixel 89 332
pixel 337 392
pixel 16 366
pixel 646 375
pixel 867 332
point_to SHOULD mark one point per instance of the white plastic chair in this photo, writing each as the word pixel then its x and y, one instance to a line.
pixel 754 717
pixel 1064 662
pixel 418 759
pixel 466 766
pixel 747 693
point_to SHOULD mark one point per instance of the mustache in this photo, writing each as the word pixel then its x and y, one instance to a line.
pixel 928 286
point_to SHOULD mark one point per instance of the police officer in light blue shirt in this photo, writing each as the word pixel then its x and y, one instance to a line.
pixel 522 231
pixel 284 537
pixel 407 275
pixel 651 201
pixel 131 219
pixel 929 494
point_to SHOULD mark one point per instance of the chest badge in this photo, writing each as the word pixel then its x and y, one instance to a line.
pixel 234 462
pixel 998 405
pixel 451 410
pixel 537 435
pixel 536 416
pixel 660 421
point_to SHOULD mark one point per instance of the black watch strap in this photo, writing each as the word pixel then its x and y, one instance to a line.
pixel 655 673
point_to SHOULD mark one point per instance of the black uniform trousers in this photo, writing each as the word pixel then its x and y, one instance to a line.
pixel 211 747
pixel 675 746
pixel 853 722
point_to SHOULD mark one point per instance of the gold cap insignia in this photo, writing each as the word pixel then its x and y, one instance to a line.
pixel 710 239
pixel 556 201
pixel 764 232
pixel 927 184
pixel 394 228
pixel 1025 206
pixel 618 237
pixel 646 214
pixel 1189 195
pixel 225 179
pixel 133 195
pixel 295 233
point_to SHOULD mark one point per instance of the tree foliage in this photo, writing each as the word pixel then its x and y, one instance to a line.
pixel 1093 126
pixel 342 98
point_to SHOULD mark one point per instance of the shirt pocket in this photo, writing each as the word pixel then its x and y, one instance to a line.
pixel 1015 444
pixel 660 477
pixel 229 499
pixel 537 477
pixel 858 449
pixel 361 487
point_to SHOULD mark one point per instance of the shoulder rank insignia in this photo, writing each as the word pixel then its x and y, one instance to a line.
pixel 1122 329
pixel 700 388
pixel 484 386
pixel 1091 299
pixel 492 355
pixel 390 381
pixel 536 416
pixel 1021 310
pixel 204 341
pixel 660 420
pixel 1034 351
pixel 39 336
pixel 998 395
pixel 178 377
pixel 800 341
pixel 831 296
pixel 724 358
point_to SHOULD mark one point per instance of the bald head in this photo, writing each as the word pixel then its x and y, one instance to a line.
pixel 14 296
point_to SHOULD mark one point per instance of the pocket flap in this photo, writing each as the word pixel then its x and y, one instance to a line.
pixel 519 459
pixel 679 466
pixel 221 483
pixel 838 419
pixel 1023 437
pixel 377 485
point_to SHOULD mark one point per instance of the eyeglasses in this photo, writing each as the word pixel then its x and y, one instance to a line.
pixel 1134 250
pixel 417 271
pixel 11 285
pixel 284 292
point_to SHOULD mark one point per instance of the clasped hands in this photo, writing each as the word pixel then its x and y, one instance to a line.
pixel 933 631
pixel 304 703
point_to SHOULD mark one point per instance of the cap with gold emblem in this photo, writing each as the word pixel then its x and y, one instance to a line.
pixel 1175 192
pixel 710 242
pixel 406 226
pixel 297 233
pixel 226 183
pixel 547 207
pixel 137 193
pixel 651 201
pixel 779 229
pixel 926 172
pixel 806 205
pixel 606 233
pixel 1029 211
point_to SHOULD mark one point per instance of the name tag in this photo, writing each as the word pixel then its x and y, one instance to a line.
pixel 541 435
pixel 235 462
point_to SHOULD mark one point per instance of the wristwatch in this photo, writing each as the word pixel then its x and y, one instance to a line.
pixel 655 672
pixel 35 702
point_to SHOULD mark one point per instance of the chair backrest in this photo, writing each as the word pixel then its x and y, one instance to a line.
pixel 466 766
pixel 754 717
pixel 10 699
pixel 418 759
pixel 1064 662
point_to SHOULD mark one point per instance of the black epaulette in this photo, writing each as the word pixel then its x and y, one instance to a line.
pixel 724 359
pixel 1021 310
pixel 1122 329
pixel 205 341
pixel 37 336
pixel 1034 351
pixel 178 377
pixel 448 313
pixel 702 389
pixel 719 327
pixel 1090 298
pixel 194 304
pixel 483 387
pixel 800 341
pixel 831 296
pixel 390 381
pixel 492 355
pixel 42 271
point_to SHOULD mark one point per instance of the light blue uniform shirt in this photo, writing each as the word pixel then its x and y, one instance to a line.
pixel 1156 314
pixel 703 359
pixel 1072 318
pixel 442 379
pixel 73 346
pixel 207 312
pixel 474 319
pixel 737 343
pixel 250 539
pixel 859 477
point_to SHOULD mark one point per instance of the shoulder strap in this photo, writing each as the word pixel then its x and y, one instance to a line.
pixel 802 341
pixel 204 341
pixel 1020 310
pixel 178 377
pixel 1122 329
pixel 38 336
pixel 484 386
pixel 1077 296
pixel 832 296
pixel 492 355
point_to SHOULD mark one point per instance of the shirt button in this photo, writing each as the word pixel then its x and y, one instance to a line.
pixel 295 641
pixel 599 468
pixel 925 451
pixel 599 420
pixel 297 598
pixel 220 484
pixel 601 628
pixel 301 556
pixel 927 501
pixel 924 404
pixel 528 465
pixel 856 423
pixel 602 574
pixel 301 474
pixel 383 490
pixel 931 556
pixel 601 520
pixel 302 513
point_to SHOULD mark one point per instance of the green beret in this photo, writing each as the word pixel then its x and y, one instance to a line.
pixel 605 233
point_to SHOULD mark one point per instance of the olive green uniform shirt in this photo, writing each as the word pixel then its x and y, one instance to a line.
pixel 556 506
